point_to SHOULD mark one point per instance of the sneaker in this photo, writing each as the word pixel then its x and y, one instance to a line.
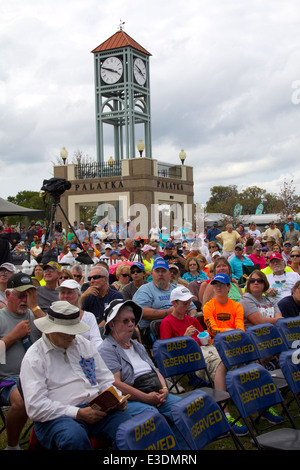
pixel 271 416
pixel 238 428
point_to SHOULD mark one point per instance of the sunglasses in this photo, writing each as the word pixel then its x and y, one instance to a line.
pixel 295 256
pixel 95 277
pixel 78 276
pixel 136 271
pixel 125 275
pixel 64 277
pixel 252 281
pixel 127 320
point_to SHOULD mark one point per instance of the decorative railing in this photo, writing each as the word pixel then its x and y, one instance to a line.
pixel 165 170
pixel 98 170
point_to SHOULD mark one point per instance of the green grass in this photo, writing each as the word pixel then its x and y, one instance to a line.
pixel 222 444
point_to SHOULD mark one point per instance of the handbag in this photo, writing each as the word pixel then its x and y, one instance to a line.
pixel 148 383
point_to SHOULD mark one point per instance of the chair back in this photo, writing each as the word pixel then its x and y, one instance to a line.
pixel 289 362
pixel 289 329
pixel 199 419
pixel 267 339
pixel 235 348
pixel 180 355
pixel 148 430
pixel 252 389
pixel 154 329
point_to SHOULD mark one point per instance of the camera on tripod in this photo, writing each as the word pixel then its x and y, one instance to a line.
pixel 55 187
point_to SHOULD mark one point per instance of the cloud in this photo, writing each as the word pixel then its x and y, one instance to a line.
pixel 223 75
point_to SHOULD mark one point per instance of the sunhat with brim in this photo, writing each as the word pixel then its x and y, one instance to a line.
pixel 62 317
pixel 69 284
pixel 20 282
pixel 113 308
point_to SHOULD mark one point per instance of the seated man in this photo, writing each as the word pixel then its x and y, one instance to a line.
pixel 137 272
pixel 281 281
pixel 221 313
pixel 60 374
pixel 179 323
pixel 17 332
pixel 134 372
pixel 48 293
pixel 238 261
pixel 98 295
pixel 290 305
pixel 154 298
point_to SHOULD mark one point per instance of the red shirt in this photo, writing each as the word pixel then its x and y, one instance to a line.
pixel 172 327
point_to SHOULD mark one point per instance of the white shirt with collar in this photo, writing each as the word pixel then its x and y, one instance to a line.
pixel 55 380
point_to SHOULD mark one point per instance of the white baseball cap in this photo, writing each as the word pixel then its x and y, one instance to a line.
pixel 181 293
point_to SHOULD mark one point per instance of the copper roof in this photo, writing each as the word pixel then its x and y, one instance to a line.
pixel 117 40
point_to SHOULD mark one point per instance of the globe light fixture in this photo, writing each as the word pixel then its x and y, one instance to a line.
pixel 64 154
pixel 140 146
pixel 182 156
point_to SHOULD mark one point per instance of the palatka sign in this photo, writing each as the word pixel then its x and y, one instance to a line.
pixel 111 185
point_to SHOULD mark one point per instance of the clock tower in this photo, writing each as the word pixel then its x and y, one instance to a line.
pixel 122 92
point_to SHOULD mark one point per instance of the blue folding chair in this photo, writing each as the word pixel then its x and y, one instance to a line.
pixel 201 421
pixel 181 356
pixel 235 348
pixel 253 390
pixel 148 430
pixel 269 343
pixel 289 362
pixel 289 328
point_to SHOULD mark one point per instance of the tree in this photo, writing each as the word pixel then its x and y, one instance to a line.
pixel 223 199
pixel 30 199
pixel 289 199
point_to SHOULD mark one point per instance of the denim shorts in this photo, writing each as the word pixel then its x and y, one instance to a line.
pixel 6 391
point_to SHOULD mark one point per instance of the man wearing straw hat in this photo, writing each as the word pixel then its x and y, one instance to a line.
pixel 59 375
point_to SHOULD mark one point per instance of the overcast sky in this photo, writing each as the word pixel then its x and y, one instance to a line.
pixel 225 86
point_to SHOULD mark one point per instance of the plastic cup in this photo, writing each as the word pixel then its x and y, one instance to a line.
pixel 204 338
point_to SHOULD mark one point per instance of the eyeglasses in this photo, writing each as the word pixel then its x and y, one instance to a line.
pixel 253 280
pixel 64 277
pixel 127 320
pixel 125 275
pixel 295 256
pixel 136 271
pixel 78 276
pixel 95 277
pixel 238 249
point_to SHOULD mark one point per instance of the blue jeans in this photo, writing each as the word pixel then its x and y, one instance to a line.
pixel 71 434
pixel 135 407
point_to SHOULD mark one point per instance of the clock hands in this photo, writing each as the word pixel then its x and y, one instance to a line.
pixel 139 71
pixel 111 70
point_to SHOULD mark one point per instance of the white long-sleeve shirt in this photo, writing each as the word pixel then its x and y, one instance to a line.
pixel 55 381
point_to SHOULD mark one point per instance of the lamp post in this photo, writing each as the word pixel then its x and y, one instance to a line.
pixel 64 154
pixel 182 156
pixel 140 146
pixel 110 162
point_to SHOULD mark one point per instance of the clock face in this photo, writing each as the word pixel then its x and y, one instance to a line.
pixel 139 71
pixel 111 70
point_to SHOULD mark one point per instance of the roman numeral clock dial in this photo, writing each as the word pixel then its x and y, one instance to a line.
pixel 139 71
pixel 111 70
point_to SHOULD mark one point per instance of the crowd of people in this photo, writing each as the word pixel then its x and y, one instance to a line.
pixel 76 310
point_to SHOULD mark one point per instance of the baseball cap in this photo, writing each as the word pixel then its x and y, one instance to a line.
pixel 113 308
pixel 20 282
pixel 222 277
pixel 70 284
pixel 275 256
pixel 52 265
pixel 181 293
pixel 108 247
pixel 147 248
pixel 169 245
pixel 138 265
pixel 161 263
pixel 9 266
pixel 73 246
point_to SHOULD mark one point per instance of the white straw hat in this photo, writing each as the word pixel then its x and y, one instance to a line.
pixel 62 317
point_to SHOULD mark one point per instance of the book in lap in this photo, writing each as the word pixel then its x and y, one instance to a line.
pixel 107 400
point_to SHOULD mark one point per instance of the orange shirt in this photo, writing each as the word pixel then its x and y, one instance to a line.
pixel 219 317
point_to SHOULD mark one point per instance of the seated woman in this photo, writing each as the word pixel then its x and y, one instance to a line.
pixel 193 271
pixel 295 259
pixel 257 257
pixel 148 252
pixel 259 307
pixel 38 274
pixel 123 277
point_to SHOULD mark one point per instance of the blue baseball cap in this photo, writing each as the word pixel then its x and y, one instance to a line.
pixel 138 265
pixel 224 278
pixel 161 263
